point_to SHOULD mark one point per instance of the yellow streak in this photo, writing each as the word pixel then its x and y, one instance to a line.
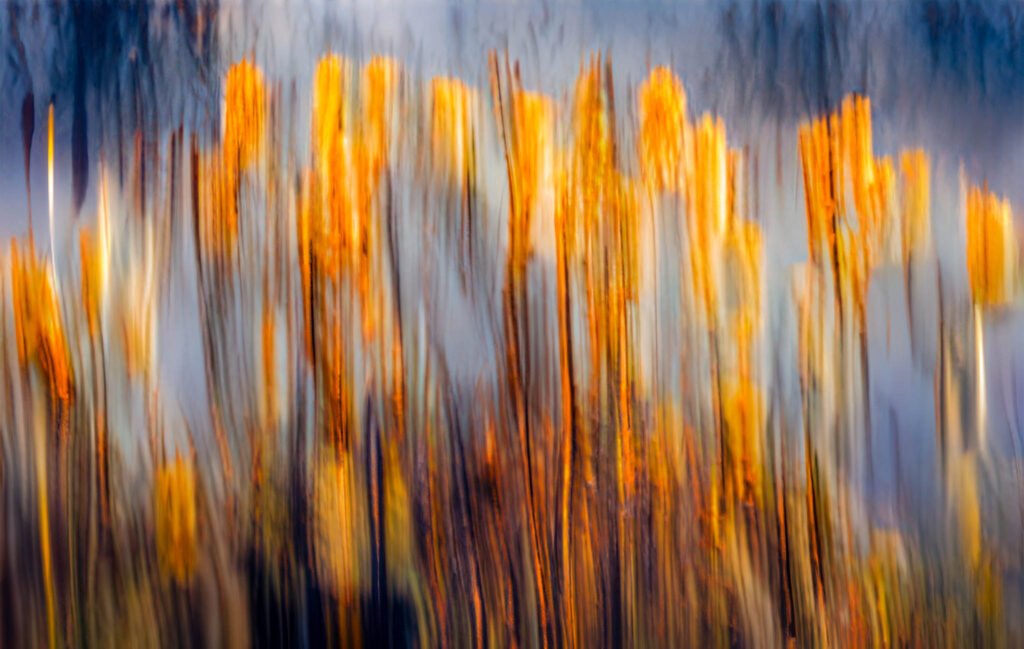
pixel 44 521
pixel 176 521
pixel 453 108
pixel 916 217
pixel 990 247
pixel 662 108
pixel 244 114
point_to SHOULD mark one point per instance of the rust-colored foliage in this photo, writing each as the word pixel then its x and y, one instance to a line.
pixel 37 319
pixel 245 115
pixel 453 402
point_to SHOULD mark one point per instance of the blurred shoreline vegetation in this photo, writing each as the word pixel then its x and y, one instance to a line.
pixel 486 366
